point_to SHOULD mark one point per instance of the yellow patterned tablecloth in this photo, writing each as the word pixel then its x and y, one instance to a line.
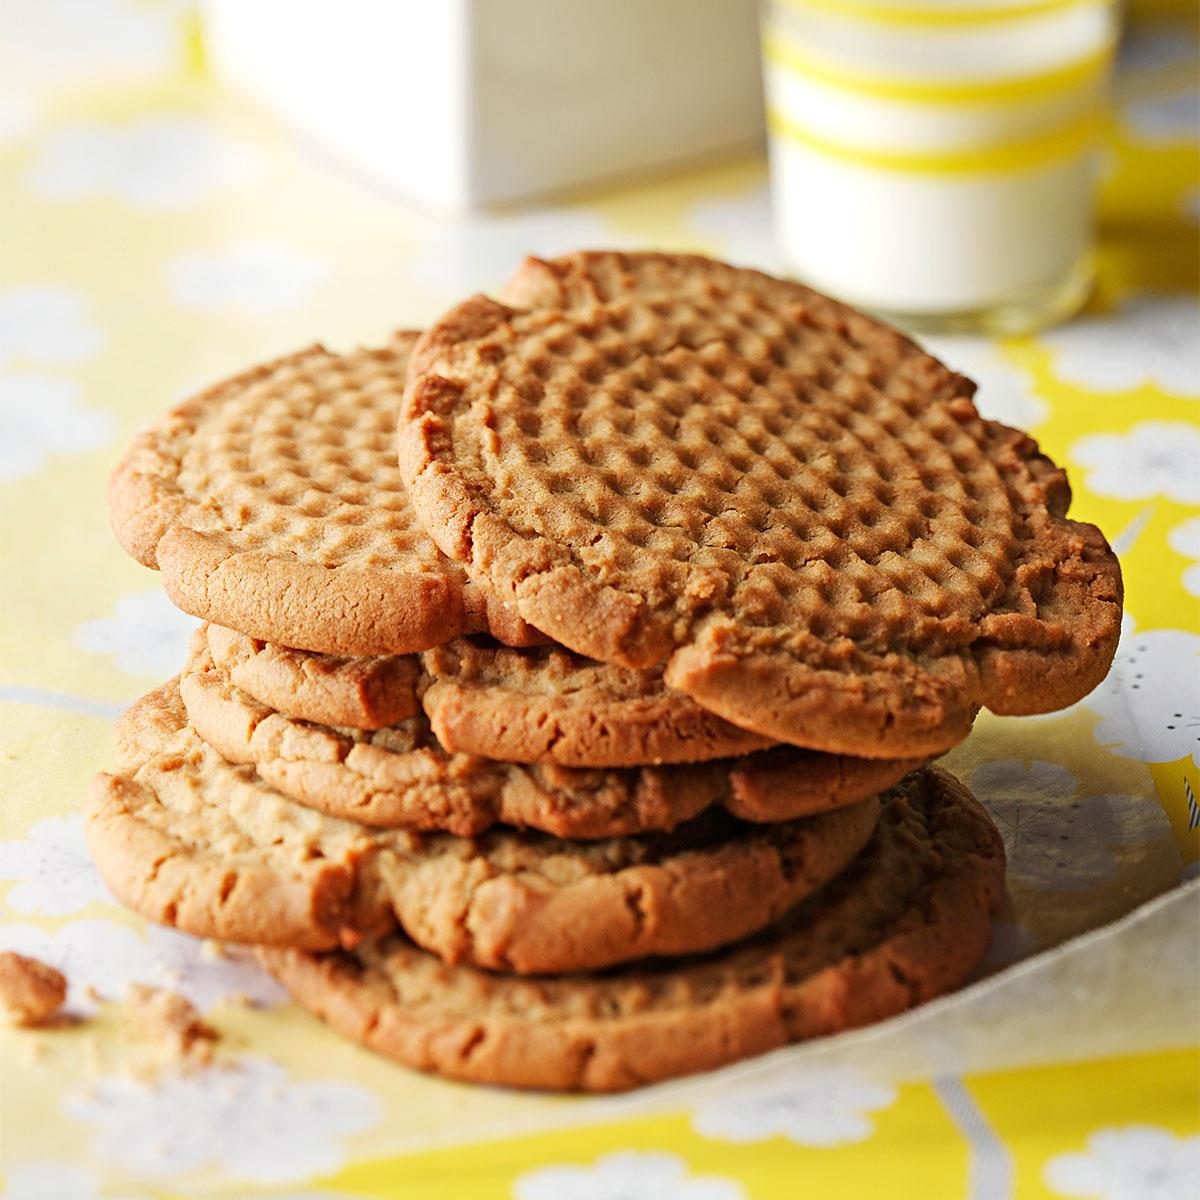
pixel 153 236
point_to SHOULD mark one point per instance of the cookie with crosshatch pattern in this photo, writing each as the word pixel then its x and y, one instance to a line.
pixel 662 459
pixel 907 921
pixel 272 504
pixel 185 838
pixel 401 777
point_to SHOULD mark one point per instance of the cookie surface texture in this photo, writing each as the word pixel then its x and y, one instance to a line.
pixel 534 704
pixel 187 839
pixel 545 704
pixel 271 504
pixel 349 690
pixel 661 459
pixel 909 920
pixel 400 777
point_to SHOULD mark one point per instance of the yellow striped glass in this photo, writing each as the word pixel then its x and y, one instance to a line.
pixel 934 160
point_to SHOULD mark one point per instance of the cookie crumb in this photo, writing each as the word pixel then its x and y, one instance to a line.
pixel 31 992
pixel 172 1023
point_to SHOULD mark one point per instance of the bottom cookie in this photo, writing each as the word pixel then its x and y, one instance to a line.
pixel 909 920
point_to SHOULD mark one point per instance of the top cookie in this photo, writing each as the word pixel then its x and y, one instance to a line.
pixel 272 504
pixel 660 458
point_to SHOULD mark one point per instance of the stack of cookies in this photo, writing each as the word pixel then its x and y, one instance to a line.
pixel 571 672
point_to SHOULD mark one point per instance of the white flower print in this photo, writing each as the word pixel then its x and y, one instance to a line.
pixel 54 869
pixel 742 227
pixel 1013 780
pixel 1164 119
pixel 152 164
pixel 626 1175
pixel 146 634
pixel 479 252
pixel 1149 704
pixel 1150 339
pixel 186 965
pixel 81 41
pixel 42 415
pixel 1154 458
pixel 46 325
pixel 16 116
pixel 247 1117
pixel 1004 392
pixel 249 277
pixel 46 1179
pixel 1055 838
pixel 823 1107
pixel 101 959
pixel 1185 539
pixel 1131 1162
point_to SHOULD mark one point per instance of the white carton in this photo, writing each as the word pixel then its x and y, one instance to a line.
pixel 463 103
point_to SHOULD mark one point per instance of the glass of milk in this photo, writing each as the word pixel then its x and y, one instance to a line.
pixel 934 160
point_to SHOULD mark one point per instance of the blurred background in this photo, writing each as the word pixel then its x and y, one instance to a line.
pixel 334 170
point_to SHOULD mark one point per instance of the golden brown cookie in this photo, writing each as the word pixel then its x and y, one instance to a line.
pixel 346 690
pixel 907 921
pixel 535 704
pixel 661 459
pixel 401 777
pixel 271 504
pixel 546 704
pixel 187 839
